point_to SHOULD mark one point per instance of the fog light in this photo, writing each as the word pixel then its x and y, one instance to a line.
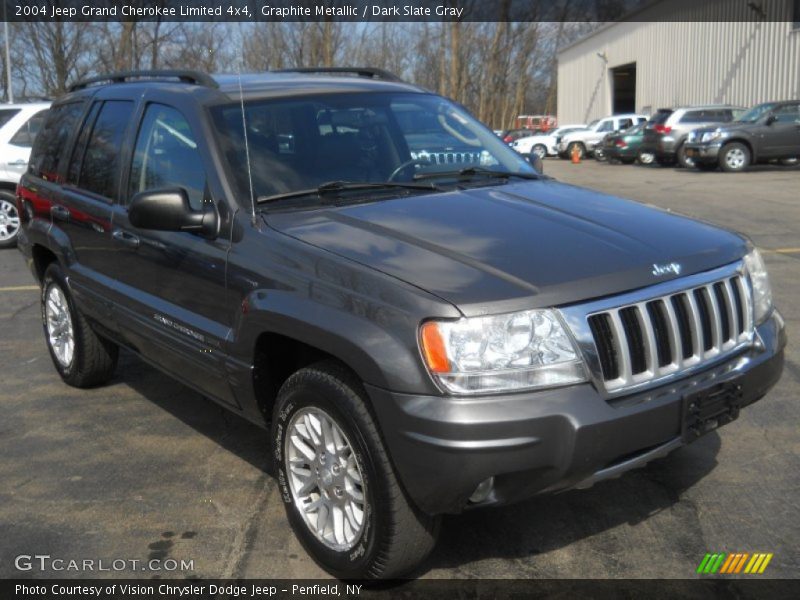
pixel 483 490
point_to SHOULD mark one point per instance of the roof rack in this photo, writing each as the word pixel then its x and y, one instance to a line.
pixel 369 72
pixel 184 76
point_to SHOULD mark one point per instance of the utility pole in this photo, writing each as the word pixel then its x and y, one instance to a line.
pixel 8 56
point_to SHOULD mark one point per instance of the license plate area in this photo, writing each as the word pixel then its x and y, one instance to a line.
pixel 708 409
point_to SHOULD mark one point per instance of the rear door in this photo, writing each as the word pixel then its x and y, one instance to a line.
pixel 83 210
pixel 173 303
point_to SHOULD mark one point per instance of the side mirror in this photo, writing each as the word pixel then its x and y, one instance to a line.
pixel 536 162
pixel 169 210
pixel 771 119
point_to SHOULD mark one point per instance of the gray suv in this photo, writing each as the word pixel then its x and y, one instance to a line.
pixel 421 322
pixel 666 132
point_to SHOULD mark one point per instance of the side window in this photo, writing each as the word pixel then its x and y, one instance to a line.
pixel 788 113
pixel 625 124
pixel 605 126
pixel 6 114
pixel 693 116
pixel 100 165
pixel 47 148
pixel 27 133
pixel 166 155
pixel 74 167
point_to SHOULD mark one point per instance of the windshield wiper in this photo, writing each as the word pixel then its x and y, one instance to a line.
pixel 335 187
pixel 470 172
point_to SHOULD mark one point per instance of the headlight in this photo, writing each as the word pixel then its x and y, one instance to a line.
pixel 516 351
pixel 711 136
pixel 759 281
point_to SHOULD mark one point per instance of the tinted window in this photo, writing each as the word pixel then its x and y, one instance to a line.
pixel 27 133
pixel 605 126
pixel 625 124
pixel 49 144
pixel 796 14
pixel 6 114
pixel 695 116
pixel 166 155
pixel 74 168
pixel 100 164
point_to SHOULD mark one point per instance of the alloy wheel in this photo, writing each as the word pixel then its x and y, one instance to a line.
pixel 60 333
pixel 735 158
pixel 9 220
pixel 325 479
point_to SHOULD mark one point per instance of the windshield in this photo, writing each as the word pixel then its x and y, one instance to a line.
pixel 303 142
pixel 755 113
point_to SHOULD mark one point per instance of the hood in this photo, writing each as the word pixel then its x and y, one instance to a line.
pixel 728 127
pixel 528 244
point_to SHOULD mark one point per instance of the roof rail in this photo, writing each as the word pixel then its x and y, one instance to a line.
pixel 369 72
pixel 184 76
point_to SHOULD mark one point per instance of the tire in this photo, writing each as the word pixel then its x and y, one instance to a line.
pixel 599 154
pixel 643 157
pixel 393 537
pixel 734 157
pixel 9 220
pixel 683 160
pixel 581 149
pixel 81 357
pixel 539 150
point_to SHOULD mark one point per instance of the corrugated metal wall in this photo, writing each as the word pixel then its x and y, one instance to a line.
pixel 685 62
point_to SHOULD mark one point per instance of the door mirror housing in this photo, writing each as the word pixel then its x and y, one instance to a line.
pixel 169 210
pixel 771 119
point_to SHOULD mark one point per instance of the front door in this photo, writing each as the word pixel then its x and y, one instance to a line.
pixel 173 304
pixel 782 138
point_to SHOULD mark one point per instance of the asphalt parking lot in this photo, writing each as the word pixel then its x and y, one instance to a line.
pixel 144 468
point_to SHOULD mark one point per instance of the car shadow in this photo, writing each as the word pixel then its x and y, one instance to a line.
pixel 547 523
pixel 536 526
pixel 229 430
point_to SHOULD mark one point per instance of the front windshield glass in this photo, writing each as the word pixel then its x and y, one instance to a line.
pixel 300 143
pixel 755 113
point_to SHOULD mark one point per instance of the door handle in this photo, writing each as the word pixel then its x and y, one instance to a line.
pixel 59 212
pixel 128 239
pixel 18 163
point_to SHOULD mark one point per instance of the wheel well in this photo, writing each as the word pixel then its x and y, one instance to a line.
pixel 276 358
pixel 42 257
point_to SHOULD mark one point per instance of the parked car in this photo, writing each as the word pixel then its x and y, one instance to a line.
pixel 419 338
pixel 767 132
pixel 626 146
pixel 514 134
pixel 584 141
pixel 543 145
pixel 667 130
pixel 18 126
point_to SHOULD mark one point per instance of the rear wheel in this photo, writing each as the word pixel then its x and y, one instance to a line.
pixel 734 157
pixel 338 485
pixel 645 158
pixel 9 220
pixel 81 357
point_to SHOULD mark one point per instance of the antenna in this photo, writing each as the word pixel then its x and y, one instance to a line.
pixel 253 219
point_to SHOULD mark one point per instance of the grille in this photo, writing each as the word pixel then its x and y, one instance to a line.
pixel 665 335
pixel 448 158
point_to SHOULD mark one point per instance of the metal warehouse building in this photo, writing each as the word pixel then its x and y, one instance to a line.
pixel 679 52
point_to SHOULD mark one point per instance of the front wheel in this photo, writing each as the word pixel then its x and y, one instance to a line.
pixel 338 485
pixel 81 357
pixel 539 150
pixel 645 157
pixel 734 157
pixel 9 220
pixel 687 162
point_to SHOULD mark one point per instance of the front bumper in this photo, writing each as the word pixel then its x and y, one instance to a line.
pixel 443 447
pixel 704 153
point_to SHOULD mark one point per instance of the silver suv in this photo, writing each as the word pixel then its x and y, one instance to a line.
pixel 666 131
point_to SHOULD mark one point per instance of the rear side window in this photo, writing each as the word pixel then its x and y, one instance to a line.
pixel 100 164
pixel 6 114
pixel 788 113
pixel 695 116
pixel 49 144
pixel 625 124
pixel 660 117
pixel 166 155
pixel 27 133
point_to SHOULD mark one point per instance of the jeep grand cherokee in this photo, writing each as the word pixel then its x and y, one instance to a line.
pixel 422 330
